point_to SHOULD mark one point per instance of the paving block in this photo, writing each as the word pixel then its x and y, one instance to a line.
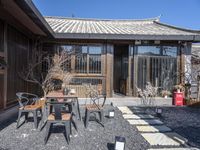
pixel 177 137
pixel 138 116
pixel 125 110
pixel 159 139
pixel 145 122
pixel 155 128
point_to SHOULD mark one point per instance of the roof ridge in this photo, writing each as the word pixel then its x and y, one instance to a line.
pixel 157 19
pixel 178 28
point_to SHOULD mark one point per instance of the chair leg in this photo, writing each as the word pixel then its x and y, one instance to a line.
pixel 35 118
pixel 74 123
pixel 87 117
pixel 41 114
pixel 48 127
pixel 19 116
pixel 26 116
pixel 67 131
pixel 102 116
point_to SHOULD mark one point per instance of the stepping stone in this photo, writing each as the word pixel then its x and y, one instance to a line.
pixel 139 111
pixel 159 139
pixel 136 108
pixel 141 116
pixel 161 128
pixel 125 110
pixel 174 149
pixel 145 122
pixel 177 137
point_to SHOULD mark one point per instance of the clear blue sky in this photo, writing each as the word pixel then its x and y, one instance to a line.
pixel 182 13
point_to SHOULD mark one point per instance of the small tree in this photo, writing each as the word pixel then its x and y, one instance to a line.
pixel 55 70
pixel 148 94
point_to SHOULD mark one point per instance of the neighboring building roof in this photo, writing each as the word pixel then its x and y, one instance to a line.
pixel 195 54
pixel 118 29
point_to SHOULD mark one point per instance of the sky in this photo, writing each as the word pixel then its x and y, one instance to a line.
pixel 181 13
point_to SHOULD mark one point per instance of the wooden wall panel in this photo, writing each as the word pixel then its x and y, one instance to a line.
pixel 18 46
pixel 1 91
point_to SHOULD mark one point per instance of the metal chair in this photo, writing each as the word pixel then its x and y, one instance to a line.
pixel 58 117
pixel 27 104
pixel 95 107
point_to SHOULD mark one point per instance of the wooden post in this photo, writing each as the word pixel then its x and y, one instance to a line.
pixel 6 60
pixel 109 69
pixel 129 88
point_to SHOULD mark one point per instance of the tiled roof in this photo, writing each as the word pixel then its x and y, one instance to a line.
pixel 114 27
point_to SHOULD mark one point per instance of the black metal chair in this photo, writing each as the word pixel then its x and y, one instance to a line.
pixel 58 117
pixel 27 104
pixel 96 106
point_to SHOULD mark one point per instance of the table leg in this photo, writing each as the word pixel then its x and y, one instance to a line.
pixel 78 108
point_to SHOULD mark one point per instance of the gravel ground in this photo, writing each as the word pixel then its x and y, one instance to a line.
pixel 95 137
pixel 182 120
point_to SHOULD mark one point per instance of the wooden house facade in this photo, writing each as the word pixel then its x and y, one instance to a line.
pixel 115 56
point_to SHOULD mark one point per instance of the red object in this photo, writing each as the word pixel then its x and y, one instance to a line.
pixel 178 99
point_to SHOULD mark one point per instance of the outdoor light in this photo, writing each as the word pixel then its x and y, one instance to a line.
pixel 158 111
pixel 111 112
pixel 137 42
pixel 120 143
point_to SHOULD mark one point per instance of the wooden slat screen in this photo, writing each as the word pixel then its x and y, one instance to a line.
pixel 157 65
pixel 95 63
pixel 160 71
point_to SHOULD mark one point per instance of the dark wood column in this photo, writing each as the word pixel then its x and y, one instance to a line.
pixel 109 70
pixel 6 60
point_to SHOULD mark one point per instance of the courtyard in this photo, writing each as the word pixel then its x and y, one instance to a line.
pixel 181 120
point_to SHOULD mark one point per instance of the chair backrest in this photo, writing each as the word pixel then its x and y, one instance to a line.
pixel 57 106
pixel 96 99
pixel 26 98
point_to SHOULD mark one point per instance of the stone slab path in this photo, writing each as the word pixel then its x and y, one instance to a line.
pixel 133 116
pixel 153 130
pixel 145 122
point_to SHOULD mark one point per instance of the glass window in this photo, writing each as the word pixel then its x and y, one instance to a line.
pixel 169 51
pixel 156 64
pixel 94 50
pixel 81 59
pixel 67 48
pixel 95 59
pixel 148 50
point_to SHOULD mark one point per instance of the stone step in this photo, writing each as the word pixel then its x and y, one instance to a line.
pixel 145 122
pixel 139 116
pixel 159 139
pixel 156 128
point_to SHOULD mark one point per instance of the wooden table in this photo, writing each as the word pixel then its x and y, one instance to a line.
pixel 58 97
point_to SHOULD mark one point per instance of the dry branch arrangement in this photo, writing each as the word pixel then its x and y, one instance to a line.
pixel 55 70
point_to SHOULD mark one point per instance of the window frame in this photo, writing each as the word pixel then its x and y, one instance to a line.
pixel 88 56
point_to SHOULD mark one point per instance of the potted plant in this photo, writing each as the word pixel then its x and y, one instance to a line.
pixel 178 88
pixel 165 93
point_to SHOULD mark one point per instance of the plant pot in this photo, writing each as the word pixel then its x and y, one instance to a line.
pixel 66 91
pixel 165 96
